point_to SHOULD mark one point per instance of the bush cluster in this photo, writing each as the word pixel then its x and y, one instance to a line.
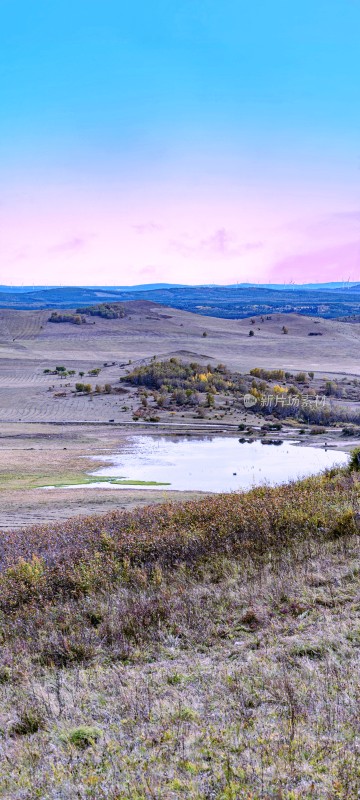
pixel 74 319
pixel 174 375
pixel 268 374
pixel 104 310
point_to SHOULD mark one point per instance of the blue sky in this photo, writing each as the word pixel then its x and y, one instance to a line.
pixel 227 133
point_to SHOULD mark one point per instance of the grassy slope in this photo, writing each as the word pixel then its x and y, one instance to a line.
pixel 211 648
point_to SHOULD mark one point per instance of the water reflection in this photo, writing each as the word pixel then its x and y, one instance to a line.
pixel 215 463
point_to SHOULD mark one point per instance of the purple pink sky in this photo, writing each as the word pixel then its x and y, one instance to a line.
pixel 186 142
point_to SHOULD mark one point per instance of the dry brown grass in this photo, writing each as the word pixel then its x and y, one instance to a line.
pixel 229 672
pixel 29 344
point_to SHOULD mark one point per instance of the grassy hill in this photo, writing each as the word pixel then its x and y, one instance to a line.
pixel 201 650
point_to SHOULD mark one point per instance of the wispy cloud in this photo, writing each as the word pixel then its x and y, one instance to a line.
pixel 334 224
pixel 221 243
pixel 17 257
pixel 68 246
pixel 331 262
pixel 147 227
pixel 151 272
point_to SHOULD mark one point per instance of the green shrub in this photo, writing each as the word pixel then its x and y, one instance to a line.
pixel 31 719
pixel 175 679
pixel 83 387
pixel 345 525
pixel 5 674
pixel 354 464
pixel 313 651
pixel 24 580
pixel 185 714
pixel 83 736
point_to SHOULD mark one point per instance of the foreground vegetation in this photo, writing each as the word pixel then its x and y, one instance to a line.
pixel 203 650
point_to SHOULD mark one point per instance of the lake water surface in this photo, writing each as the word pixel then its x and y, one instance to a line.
pixel 213 463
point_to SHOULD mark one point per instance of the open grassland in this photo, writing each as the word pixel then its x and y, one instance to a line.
pixel 205 650
pixel 30 344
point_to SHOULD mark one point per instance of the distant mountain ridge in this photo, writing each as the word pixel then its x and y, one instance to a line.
pixel 330 300
pixel 147 287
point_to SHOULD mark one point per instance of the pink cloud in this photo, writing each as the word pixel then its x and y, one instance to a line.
pixel 331 262
pixel 331 228
pixel 18 256
pixel 222 243
pixel 69 246
pixel 149 271
pixel 147 227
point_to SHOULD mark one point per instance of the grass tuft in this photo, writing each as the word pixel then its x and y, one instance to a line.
pixel 83 736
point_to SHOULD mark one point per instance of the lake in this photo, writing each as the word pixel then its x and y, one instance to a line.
pixel 212 463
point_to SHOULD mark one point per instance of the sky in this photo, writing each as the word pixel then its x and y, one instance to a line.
pixel 184 141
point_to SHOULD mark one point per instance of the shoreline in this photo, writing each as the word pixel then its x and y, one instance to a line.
pixel 36 454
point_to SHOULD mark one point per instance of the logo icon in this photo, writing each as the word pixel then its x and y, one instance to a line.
pixel 249 400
